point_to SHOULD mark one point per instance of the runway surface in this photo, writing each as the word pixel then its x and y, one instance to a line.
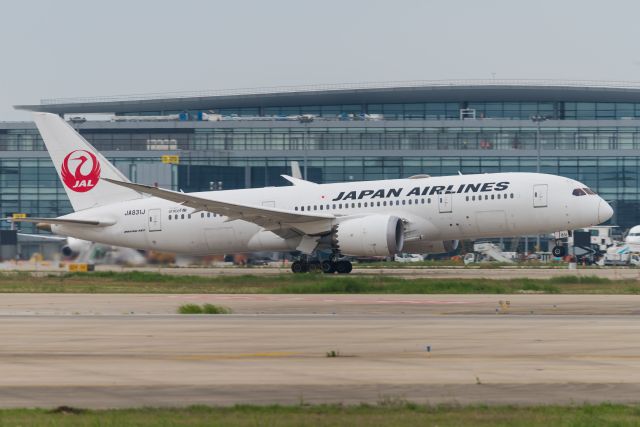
pixel 109 357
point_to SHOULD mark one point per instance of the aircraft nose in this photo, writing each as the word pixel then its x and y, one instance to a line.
pixel 604 211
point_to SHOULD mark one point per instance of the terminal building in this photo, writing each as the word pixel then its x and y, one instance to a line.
pixel 589 131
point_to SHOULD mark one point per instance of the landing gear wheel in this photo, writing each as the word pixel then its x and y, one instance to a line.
pixel 299 267
pixel 558 251
pixel 343 267
pixel 328 267
pixel 314 267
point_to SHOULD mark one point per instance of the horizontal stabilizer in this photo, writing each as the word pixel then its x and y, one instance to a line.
pixel 64 221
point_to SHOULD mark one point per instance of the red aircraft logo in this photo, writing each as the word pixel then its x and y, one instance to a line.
pixel 77 180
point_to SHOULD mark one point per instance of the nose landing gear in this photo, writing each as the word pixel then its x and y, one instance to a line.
pixel 559 250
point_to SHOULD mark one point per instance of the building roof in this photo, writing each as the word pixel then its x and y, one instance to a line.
pixel 344 94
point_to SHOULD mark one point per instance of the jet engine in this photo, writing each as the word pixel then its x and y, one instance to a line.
pixel 74 247
pixel 372 235
pixel 430 246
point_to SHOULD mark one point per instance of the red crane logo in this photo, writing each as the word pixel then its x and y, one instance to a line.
pixel 77 180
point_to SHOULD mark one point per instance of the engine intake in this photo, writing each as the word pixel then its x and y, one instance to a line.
pixel 372 235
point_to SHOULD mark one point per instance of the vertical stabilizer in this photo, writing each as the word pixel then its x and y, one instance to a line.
pixel 80 166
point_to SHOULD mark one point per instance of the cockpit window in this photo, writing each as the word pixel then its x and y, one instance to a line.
pixel 579 192
pixel 589 191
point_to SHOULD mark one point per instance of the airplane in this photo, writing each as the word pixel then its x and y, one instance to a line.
pixel 633 236
pixel 421 214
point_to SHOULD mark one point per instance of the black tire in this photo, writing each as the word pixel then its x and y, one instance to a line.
pixel 328 267
pixel 343 267
pixel 314 267
pixel 558 251
pixel 297 267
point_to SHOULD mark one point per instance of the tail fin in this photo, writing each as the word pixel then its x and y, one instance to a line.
pixel 80 166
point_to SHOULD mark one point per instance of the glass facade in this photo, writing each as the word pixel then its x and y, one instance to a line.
pixel 434 110
pixel 323 138
pixel 597 143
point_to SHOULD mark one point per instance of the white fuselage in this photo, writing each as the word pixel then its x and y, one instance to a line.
pixel 434 209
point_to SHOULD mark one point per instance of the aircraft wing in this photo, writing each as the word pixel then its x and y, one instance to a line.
pixel 280 221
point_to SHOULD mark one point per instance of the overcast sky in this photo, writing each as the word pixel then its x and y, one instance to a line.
pixel 77 48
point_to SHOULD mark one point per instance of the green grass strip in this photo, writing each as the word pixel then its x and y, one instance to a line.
pixel 146 282
pixel 386 413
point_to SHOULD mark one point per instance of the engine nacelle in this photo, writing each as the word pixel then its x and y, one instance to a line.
pixel 430 246
pixel 372 235
pixel 74 247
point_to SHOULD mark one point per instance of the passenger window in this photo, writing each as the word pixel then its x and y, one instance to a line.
pixel 182 216
pixel 302 208
pixel 359 205
pixel 201 214
pixel 295 208
pixel 493 196
pixel 169 216
pixel 365 204
pixel 378 204
pixel 512 195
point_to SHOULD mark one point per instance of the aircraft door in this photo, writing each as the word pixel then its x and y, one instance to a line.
pixel 540 195
pixel 444 203
pixel 154 220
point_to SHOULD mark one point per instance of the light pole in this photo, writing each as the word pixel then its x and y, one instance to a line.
pixel 537 119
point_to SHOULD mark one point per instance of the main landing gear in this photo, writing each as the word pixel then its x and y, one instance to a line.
pixel 327 266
